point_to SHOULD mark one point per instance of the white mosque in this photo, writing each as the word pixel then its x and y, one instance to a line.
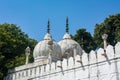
pixel 66 60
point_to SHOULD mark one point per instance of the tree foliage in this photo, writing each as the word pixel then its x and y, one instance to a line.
pixel 85 39
pixel 12 47
pixel 110 26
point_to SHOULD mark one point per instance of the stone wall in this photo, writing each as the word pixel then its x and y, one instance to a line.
pixel 98 65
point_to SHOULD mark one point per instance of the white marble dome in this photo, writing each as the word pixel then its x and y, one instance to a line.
pixel 68 44
pixel 41 50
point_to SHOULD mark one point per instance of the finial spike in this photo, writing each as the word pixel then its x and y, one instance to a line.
pixel 48 27
pixel 67 28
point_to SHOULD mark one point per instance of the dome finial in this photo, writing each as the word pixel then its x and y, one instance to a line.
pixel 48 27
pixel 67 28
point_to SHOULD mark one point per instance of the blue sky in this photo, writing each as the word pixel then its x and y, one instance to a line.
pixel 32 15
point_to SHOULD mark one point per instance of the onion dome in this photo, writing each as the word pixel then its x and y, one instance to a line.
pixel 67 44
pixel 42 50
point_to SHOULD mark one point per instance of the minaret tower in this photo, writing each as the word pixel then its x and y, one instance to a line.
pixel 104 37
pixel 27 52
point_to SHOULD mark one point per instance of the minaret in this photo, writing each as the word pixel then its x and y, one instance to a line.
pixel 67 28
pixel 104 37
pixel 27 52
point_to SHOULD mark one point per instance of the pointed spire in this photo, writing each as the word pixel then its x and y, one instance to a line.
pixel 67 28
pixel 48 27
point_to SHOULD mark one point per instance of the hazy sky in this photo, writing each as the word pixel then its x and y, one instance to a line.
pixel 32 15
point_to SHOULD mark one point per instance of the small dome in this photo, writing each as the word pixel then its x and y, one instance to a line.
pixel 42 49
pixel 68 44
pixel 47 49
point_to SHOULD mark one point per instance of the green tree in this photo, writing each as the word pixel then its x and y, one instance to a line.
pixel 12 47
pixel 85 40
pixel 110 26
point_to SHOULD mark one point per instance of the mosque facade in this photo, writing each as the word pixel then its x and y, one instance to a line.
pixel 66 60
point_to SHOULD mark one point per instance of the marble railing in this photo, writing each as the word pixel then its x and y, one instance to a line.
pixel 39 69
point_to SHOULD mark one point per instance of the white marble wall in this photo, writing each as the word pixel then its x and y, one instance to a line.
pixel 97 66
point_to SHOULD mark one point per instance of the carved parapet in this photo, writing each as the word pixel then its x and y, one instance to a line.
pixel 110 52
pixel 53 67
pixel 117 49
pixel 92 57
pixel 85 59
pixel 59 65
pixel 78 61
pixel 71 63
pixel 65 64
pixel 100 56
pixel 78 66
